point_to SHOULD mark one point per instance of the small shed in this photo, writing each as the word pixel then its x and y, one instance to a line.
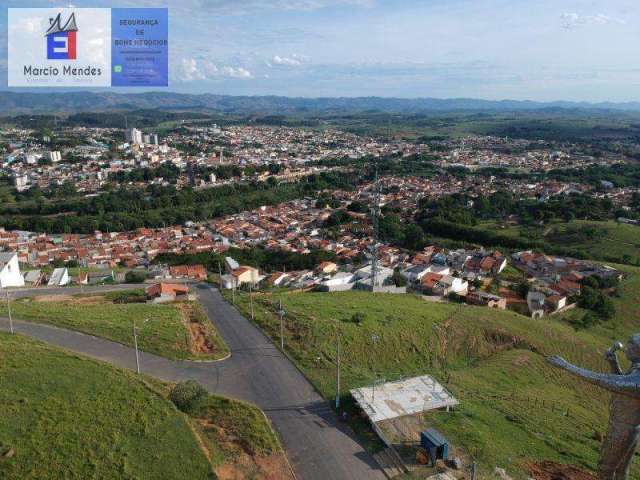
pixel 435 444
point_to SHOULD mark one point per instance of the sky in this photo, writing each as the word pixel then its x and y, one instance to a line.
pixel 542 50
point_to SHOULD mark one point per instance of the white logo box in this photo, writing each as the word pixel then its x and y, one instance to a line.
pixel 28 65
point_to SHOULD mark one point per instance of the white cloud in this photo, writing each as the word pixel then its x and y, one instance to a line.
pixel 237 72
pixel 293 60
pixel 573 20
pixel 193 69
pixel 247 7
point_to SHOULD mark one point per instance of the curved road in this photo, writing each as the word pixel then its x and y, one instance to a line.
pixel 318 446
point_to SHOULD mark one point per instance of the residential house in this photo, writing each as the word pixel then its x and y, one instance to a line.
pixel 10 275
pixel 415 273
pixel 277 279
pixel 83 278
pixel 449 284
pixel 192 272
pixel 479 297
pixel 327 267
pixel 341 281
pixel 59 277
pixel 246 274
pixel 429 281
pixel 167 292
pixel 556 302
pixel 535 302
pixel 33 278
pixel 230 264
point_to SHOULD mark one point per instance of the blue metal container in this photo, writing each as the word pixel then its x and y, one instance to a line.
pixel 435 444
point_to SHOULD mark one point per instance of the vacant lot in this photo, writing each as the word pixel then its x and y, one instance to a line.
pixel 515 409
pixel 179 331
pixel 607 241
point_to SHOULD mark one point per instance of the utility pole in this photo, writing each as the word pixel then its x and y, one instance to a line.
pixel 135 344
pixel 251 297
pixel 9 311
pixel 337 369
pixel 374 339
pixel 375 219
pixel 281 313
pixel 233 290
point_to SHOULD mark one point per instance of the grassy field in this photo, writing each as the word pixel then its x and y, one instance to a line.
pixel 71 417
pixel 608 241
pixel 515 409
pixel 178 331
pixel 68 417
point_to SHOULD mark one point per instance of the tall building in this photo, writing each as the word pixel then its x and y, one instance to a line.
pixel 133 136
pixel 55 156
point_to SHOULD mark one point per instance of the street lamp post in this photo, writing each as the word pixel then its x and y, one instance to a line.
pixel 374 339
pixel 338 370
pixel 251 298
pixel 281 314
pixel 135 343
pixel 9 312
pixel 233 291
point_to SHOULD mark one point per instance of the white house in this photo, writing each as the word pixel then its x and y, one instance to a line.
pixel 59 278
pixel 10 275
pixel 448 284
pixel 415 273
pixel 364 274
pixel 439 269
pixel 339 282
pixel 230 264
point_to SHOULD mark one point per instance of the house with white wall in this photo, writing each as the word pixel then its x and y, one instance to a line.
pixel 10 275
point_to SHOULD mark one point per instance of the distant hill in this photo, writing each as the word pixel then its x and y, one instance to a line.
pixel 12 103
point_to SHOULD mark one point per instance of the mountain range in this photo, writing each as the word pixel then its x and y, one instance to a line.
pixel 12 103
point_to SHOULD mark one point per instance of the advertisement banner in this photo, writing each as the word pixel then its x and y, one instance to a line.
pixel 87 47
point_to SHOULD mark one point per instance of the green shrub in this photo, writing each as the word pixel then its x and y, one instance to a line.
pixel 135 277
pixel 357 318
pixel 185 394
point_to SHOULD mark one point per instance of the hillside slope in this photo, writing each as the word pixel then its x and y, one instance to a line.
pixel 515 409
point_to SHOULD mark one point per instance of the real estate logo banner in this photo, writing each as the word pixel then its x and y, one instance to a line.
pixel 87 47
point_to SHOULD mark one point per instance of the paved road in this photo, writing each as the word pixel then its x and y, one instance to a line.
pixel 318 446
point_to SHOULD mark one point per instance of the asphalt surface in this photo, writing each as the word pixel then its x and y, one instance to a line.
pixel 319 447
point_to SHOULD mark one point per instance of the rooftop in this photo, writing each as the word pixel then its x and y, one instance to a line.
pixel 404 397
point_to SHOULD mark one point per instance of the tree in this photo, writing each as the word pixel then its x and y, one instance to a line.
pixel 135 277
pixel 413 237
pixel 398 279
pixel 185 394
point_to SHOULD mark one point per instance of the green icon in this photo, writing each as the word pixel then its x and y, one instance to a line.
pixel 117 68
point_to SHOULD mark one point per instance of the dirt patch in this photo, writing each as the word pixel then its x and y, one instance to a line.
pixel 501 341
pixel 91 300
pixel 270 467
pixel 521 360
pixel 549 470
pixel 71 300
pixel 53 298
pixel 199 336
pixel 243 464
pixel 200 341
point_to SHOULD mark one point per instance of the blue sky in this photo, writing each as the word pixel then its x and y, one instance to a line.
pixel 493 49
